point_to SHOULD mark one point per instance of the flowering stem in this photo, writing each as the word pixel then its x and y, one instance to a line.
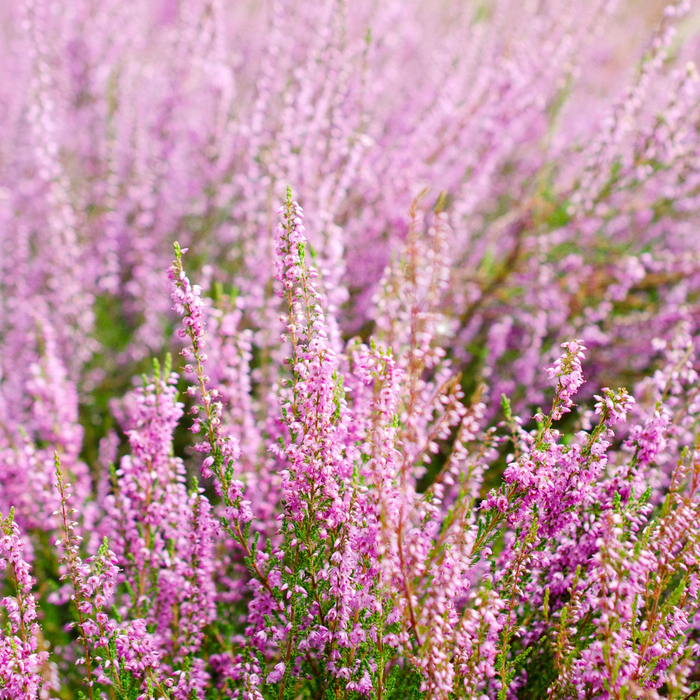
pixel 71 561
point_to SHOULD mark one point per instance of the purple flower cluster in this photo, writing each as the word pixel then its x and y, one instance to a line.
pixel 21 653
pixel 435 435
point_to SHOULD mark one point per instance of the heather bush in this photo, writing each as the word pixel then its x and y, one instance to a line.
pixel 436 435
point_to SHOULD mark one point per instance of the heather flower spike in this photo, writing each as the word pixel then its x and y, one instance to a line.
pixel 21 647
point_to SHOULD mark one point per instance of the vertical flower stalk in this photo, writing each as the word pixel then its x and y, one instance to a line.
pixel 162 535
pixel 220 449
pixel 123 656
pixel 21 655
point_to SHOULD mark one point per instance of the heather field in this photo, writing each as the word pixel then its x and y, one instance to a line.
pixel 349 350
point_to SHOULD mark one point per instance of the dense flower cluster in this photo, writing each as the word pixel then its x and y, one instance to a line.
pixel 20 657
pixel 435 435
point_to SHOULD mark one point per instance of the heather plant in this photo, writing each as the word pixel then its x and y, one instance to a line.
pixel 435 435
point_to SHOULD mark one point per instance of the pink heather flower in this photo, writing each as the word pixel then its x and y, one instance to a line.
pixel 275 676
pixel 223 448
pixel 315 406
pixel 21 656
pixel 567 371
pixel 162 535
pixel 614 406
pixel 650 439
